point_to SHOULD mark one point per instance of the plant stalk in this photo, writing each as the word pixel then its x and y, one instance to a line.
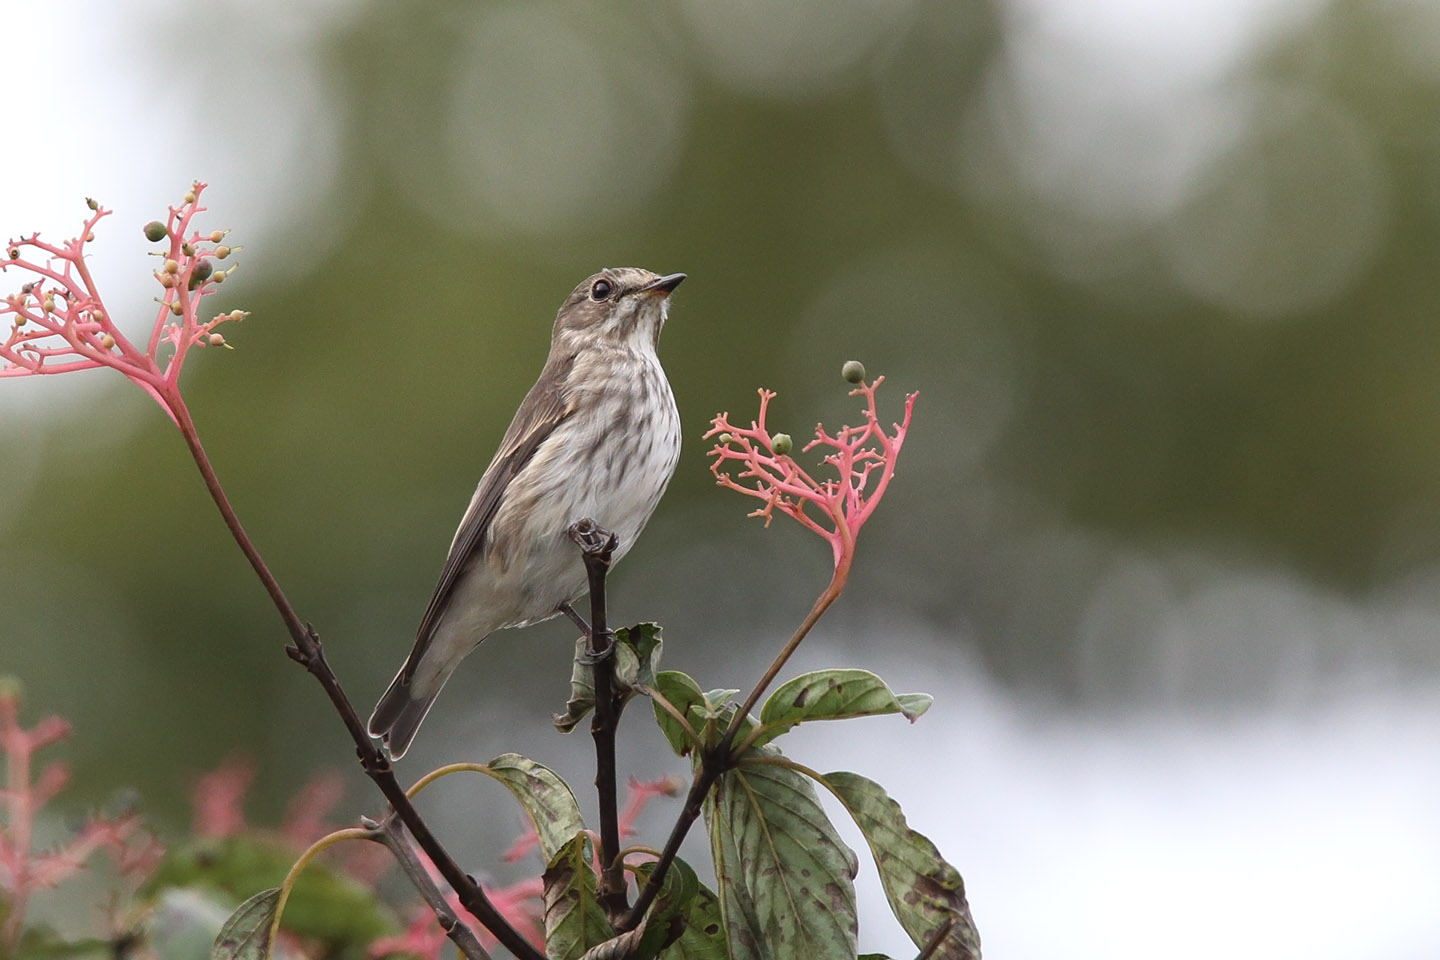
pixel 306 650
pixel 597 546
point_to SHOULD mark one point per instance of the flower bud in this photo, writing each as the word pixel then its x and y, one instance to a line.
pixel 189 196
pixel 218 276
pixel 166 280
pixel 222 252
pixel 155 231
pixel 238 315
pixel 199 272
pixel 724 439
pixel 172 266
pixel 853 371
pixel 90 237
pixel 90 202
pixel 107 341
pixel 781 443
pixel 187 249
pixel 217 235
pixel 215 340
pixel 176 308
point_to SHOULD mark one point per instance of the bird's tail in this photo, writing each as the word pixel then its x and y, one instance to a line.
pixel 400 711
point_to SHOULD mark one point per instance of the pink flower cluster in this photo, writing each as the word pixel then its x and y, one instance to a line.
pixel 23 870
pixel 56 322
pixel 757 463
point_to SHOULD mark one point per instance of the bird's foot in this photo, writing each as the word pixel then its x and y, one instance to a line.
pixel 585 657
pixel 576 619
pixel 593 539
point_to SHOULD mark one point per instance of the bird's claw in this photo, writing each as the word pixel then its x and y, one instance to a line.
pixel 587 659
pixel 593 538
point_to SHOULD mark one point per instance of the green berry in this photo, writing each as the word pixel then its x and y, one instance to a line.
pixel 853 371
pixel 781 443
pixel 155 231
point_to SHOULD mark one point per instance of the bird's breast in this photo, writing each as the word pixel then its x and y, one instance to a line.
pixel 609 461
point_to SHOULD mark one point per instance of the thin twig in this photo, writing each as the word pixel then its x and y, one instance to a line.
pixel 597 546
pixel 713 762
pixel 306 650
pixel 461 935
pixel 719 758
pixel 822 603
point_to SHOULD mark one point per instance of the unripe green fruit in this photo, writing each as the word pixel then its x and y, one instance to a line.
pixel 853 371
pixel 781 443
pixel 155 231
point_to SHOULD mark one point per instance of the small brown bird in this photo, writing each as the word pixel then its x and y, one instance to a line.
pixel 597 436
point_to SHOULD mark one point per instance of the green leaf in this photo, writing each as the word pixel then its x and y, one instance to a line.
pixel 548 802
pixel 785 877
pixel 704 936
pixel 574 920
pixel 582 691
pixel 717 700
pixel 668 913
pixel 637 654
pixel 685 696
pixel 324 903
pixel 246 935
pixel 835 695
pixel 925 892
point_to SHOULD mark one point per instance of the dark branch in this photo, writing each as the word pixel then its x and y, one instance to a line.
pixel 597 546
pixel 713 762
pixel 305 649
pixel 389 834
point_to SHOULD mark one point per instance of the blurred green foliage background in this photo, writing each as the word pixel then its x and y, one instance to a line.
pixel 1166 284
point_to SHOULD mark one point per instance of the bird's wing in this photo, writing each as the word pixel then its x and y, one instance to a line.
pixel 544 408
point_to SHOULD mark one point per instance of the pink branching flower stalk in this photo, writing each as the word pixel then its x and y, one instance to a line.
pixel 757 463
pixel 57 321
pixel 23 870
pixel 863 459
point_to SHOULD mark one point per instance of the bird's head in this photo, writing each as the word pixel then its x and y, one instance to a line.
pixel 619 306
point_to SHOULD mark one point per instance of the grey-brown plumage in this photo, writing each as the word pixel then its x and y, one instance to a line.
pixel 597 436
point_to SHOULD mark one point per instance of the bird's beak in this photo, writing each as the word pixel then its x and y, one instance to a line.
pixel 664 286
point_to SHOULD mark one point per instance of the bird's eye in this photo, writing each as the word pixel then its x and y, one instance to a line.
pixel 601 290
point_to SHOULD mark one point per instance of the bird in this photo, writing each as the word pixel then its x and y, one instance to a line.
pixel 597 437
